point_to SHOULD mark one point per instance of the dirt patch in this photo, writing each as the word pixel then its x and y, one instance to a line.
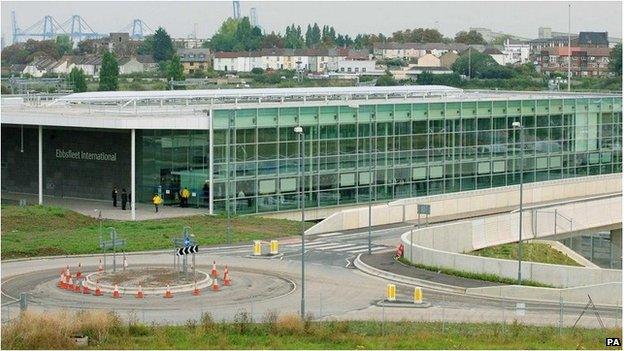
pixel 149 277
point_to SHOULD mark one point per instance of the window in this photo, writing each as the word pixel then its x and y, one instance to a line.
pixel 363 69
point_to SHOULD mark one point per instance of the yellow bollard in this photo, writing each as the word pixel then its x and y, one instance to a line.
pixel 274 247
pixel 418 295
pixel 257 248
pixel 391 292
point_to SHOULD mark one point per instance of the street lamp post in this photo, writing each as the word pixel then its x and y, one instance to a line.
pixel 301 139
pixel 518 126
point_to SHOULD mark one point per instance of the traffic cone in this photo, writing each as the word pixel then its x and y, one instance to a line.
pixel 61 283
pixel 215 285
pixel 78 273
pixel 196 290
pixel 168 293
pixel 100 267
pixel 226 277
pixel 70 284
pixel 98 292
pixel 85 288
pixel 214 272
pixel 67 272
pixel 116 293
pixel 140 294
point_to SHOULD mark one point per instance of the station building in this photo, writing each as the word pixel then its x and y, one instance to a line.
pixel 239 146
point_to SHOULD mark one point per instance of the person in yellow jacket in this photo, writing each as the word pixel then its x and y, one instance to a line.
pixel 157 200
pixel 184 197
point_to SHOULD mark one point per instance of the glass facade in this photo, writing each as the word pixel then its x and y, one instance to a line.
pixel 410 149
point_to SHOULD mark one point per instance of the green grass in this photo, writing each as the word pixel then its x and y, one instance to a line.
pixel 532 252
pixel 107 331
pixel 477 276
pixel 41 230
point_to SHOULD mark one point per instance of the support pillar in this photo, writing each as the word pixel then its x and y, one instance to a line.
pixel 133 173
pixel 40 157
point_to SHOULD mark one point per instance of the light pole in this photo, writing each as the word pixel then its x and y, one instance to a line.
pixel 518 126
pixel 301 139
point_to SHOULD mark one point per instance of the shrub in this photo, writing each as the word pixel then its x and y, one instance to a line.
pixel 290 324
pixel 242 321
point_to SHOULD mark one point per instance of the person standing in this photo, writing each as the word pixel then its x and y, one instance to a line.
pixel 184 196
pixel 124 199
pixel 156 200
pixel 114 195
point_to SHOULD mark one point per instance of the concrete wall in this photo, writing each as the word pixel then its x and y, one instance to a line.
pixel 444 245
pixel 601 294
pixel 464 204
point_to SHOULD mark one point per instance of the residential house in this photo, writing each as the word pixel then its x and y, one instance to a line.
pixel 415 50
pixel 39 66
pixel 448 59
pixel 64 65
pixel 137 64
pixel 195 59
pixel 89 64
pixel 516 51
pixel 188 43
pixel 429 60
pixel 243 61
pixel 590 61
pixel 496 54
pixel 356 66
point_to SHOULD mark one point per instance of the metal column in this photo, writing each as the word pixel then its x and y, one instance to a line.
pixel 132 173
pixel 40 152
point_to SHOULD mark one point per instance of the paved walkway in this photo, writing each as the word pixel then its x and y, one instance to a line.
pixel 89 207
pixel 385 261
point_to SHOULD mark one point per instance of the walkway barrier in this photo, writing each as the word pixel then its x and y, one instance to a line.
pixel 390 292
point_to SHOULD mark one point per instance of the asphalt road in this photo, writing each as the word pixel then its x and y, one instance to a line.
pixel 334 288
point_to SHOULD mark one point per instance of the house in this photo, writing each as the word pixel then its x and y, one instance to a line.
pixel 64 65
pixel 516 51
pixel 129 65
pixel 149 64
pixel 415 50
pixel 448 59
pixel 89 64
pixel 356 66
pixel 39 66
pixel 591 61
pixel 195 59
pixel 496 54
pixel 428 60
pixel 242 61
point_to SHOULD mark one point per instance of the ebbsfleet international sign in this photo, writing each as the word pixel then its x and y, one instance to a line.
pixel 83 155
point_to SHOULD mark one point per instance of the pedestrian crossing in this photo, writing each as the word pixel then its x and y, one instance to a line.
pixel 336 246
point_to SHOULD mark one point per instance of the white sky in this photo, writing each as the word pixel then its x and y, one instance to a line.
pixel 351 17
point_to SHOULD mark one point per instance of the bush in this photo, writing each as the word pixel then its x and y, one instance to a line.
pixel 242 321
pixel 257 70
pixel 290 325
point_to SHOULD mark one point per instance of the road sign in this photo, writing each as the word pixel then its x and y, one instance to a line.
pixel 109 244
pixel 424 209
pixel 187 250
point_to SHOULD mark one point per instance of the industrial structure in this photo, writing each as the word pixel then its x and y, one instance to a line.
pixel 238 146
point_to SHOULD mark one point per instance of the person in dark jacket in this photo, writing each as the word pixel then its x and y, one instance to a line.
pixel 114 195
pixel 124 198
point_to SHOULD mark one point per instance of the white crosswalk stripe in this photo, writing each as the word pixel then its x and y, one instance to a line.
pixel 335 246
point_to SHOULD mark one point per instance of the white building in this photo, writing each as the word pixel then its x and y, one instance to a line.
pixel 356 66
pixel 516 52
pixel 496 54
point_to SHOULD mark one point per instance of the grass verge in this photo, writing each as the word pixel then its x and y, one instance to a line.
pixel 43 230
pixel 470 275
pixel 532 252
pixel 107 331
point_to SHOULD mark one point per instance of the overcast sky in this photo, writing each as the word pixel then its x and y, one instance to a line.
pixel 351 17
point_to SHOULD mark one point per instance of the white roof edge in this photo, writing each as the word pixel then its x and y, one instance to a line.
pixel 256 92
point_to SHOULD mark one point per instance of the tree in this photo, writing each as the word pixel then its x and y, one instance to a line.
pixel 272 41
pixel 293 38
pixel 418 35
pixel 77 80
pixel 247 37
pixel 223 39
pixel 146 47
pixel 64 44
pixel 475 62
pixel 163 46
pixel 615 60
pixel 313 36
pixel 175 70
pixel 109 73
pixel 386 80
pixel 471 37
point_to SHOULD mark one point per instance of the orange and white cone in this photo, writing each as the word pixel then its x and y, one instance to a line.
pixel 70 284
pixel 85 288
pixel 196 291
pixel 139 294
pixel 61 283
pixel 168 293
pixel 215 285
pixel 98 292
pixel 100 267
pixel 226 277
pixel 214 272
pixel 78 273
pixel 116 293
pixel 67 272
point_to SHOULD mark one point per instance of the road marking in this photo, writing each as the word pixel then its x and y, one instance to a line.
pixel 329 234
pixel 318 244
pixel 352 248
pixel 348 263
pixel 329 246
pixel 376 248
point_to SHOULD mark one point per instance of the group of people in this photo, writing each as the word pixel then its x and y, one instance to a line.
pixel 125 197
